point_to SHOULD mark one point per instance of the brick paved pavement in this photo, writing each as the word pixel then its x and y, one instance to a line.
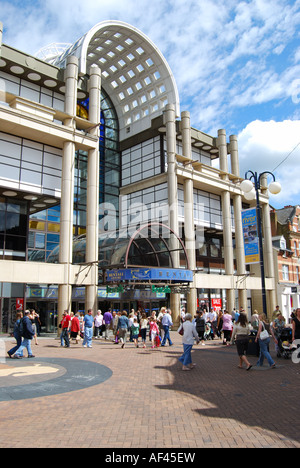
pixel 148 401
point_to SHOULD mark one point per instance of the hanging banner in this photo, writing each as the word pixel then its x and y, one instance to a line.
pixel 250 232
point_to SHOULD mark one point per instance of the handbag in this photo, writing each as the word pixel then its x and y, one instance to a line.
pixel 264 335
pixel 180 330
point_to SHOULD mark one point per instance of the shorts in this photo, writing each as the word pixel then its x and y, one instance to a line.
pixel 74 334
pixel 242 346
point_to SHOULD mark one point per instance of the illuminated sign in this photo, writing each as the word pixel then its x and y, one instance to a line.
pixel 144 274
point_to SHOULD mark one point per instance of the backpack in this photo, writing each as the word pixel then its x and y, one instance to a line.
pixel 21 328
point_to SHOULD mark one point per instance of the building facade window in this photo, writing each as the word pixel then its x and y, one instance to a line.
pixel 47 223
pixel 285 273
pixel 13 228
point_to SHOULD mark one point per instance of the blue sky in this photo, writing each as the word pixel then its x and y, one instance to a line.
pixel 236 64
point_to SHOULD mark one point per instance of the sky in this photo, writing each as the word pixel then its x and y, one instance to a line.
pixel 236 65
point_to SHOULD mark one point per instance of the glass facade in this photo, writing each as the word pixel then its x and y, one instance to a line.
pixel 44 226
pixel 13 228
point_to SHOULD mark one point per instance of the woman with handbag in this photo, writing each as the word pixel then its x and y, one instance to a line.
pixel 263 337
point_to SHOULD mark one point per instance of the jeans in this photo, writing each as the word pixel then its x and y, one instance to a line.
pixel 186 357
pixel 166 329
pixel 264 353
pixel 26 343
pixel 65 337
pixel 15 348
pixel 88 335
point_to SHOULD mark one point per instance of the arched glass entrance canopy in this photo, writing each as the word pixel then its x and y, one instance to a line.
pixel 149 253
pixel 135 74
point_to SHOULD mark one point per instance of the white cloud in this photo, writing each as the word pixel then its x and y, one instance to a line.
pixel 263 146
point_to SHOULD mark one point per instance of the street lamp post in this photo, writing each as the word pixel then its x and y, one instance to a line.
pixel 251 191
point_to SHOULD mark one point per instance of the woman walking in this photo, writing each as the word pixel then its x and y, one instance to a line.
pixel 240 334
pixel 143 329
pixel 189 335
pixel 263 337
pixel 227 327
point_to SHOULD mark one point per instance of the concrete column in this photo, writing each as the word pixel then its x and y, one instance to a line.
pixel 169 118
pixel 67 189
pixel 226 212
pixel 92 214
pixel 172 176
pixel 222 145
pixel 239 238
pixel 235 167
pixel 268 257
pixel 189 225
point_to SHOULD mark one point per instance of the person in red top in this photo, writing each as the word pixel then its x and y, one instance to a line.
pixel 65 327
pixel 75 328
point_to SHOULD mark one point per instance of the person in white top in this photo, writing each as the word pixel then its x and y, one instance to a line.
pixel 98 321
pixel 189 336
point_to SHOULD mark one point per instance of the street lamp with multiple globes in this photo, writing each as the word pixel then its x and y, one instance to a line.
pixel 251 191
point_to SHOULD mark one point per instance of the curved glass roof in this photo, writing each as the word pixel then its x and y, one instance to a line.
pixel 152 245
pixel 135 74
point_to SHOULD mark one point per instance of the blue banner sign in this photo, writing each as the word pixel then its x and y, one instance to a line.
pixel 144 274
pixel 250 232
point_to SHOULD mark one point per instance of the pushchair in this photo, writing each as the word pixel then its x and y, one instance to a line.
pixel 284 347
pixel 208 334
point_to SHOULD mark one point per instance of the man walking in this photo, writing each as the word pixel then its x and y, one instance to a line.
pixel 65 329
pixel 166 322
pixel 88 323
pixel 107 319
pixel 27 332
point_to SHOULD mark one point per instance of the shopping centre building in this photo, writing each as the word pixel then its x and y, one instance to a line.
pixel 108 196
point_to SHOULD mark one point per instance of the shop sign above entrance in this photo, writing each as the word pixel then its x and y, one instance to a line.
pixel 146 274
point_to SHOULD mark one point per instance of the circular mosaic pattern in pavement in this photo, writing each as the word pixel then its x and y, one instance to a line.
pixel 39 377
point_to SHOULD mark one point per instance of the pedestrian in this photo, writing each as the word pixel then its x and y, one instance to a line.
pixel 296 326
pixel 81 317
pixel 33 316
pixel 263 327
pixel 115 326
pixel 166 322
pixel 122 327
pixel 75 328
pixel 200 325
pixel 135 328
pixel 220 323
pixel 107 319
pixel 27 333
pixel 189 336
pixel 159 320
pixel 212 319
pixel 143 328
pixel 65 329
pixel 88 323
pixel 278 326
pixel 240 334
pixel 255 320
pixel 154 331
pixel 98 321
pixel 17 334
pixel 227 327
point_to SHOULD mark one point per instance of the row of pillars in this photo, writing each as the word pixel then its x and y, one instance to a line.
pixel 226 212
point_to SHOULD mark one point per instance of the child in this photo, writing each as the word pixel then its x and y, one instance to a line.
pixel 135 328
pixel 154 331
